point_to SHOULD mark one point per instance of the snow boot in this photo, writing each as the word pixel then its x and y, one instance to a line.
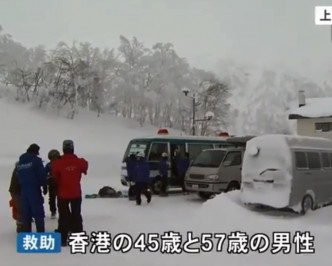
pixel 148 197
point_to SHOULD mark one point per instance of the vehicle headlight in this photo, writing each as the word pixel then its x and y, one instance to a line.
pixel 212 177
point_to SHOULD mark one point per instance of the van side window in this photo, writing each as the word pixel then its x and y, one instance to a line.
pixel 233 158
pixel 157 148
pixel 300 160
pixel 314 160
pixel 326 160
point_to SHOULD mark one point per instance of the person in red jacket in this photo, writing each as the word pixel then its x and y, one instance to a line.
pixel 67 171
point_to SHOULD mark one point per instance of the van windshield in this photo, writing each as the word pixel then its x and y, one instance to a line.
pixel 136 147
pixel 212 158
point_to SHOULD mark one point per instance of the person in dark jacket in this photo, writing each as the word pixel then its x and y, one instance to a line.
pixel 131 164
pixel 163 169
pixel 14 190
pixel 50 188
pixel 142 179
pixel 31 176
pixel 182 163
pixel 174 156
pixel 67 171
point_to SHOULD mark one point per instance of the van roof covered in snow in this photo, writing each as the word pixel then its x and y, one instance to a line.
pixel 300 142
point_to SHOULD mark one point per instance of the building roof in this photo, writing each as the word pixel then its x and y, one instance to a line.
pixel 313 108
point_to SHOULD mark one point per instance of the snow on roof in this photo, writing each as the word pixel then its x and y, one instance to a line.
pixel 294 141
pixel 313 108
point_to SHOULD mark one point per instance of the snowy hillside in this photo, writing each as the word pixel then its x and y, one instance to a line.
pixel 102 142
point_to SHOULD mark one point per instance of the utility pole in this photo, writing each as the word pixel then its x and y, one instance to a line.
pixel 194 113
pixel 207 117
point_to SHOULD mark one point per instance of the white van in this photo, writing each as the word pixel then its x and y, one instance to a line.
pixel 283 171
pixel 215 171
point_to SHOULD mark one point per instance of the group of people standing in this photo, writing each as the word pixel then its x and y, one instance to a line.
pixel 138 171
pixel 60 178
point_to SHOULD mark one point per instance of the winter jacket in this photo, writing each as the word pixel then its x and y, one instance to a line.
pixel 31 176
pixel 14 187
pixel 50 180
pixel 142 171
pixel 67 172
pixel 182 164
pixel 30 172
pixel 48 168
pixel 131 164
pixel 163 167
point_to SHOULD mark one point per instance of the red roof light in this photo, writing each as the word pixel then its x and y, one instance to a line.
pixel 223 134
pixel 162 131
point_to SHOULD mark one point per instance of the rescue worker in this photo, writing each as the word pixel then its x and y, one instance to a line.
pixel 163 169
pixel 14 190
pixel 182 164
pixel 50 188
pixel 142 179
pixel 31 176
pixel 131 163
pixel 174 155
pixel 67 171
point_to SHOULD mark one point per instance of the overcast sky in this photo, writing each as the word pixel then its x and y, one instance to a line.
pixel 203 31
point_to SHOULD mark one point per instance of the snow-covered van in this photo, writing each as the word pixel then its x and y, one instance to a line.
pixel 215 171
pixel 284 171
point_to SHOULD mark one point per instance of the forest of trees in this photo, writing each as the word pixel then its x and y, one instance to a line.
pixel 146 84
pixel 261 98
pixel 131 81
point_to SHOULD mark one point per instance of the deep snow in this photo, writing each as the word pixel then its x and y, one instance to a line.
pixel 102 142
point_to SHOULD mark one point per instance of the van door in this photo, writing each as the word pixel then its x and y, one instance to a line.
pixel 326 176
pixel 230 169
pixel 156 149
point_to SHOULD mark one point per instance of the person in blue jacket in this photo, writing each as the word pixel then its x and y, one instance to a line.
pixel 182 164
pixel 31 176
pixel 142 179
pixel 50 187
pixel 163 169
pixel 130 163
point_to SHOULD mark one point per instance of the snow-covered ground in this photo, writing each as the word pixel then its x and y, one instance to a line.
pixel 102 142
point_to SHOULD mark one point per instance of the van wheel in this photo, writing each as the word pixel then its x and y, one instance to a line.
pixel 307 204
pixel 205 195
pixel 156 185
pixel 233 186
